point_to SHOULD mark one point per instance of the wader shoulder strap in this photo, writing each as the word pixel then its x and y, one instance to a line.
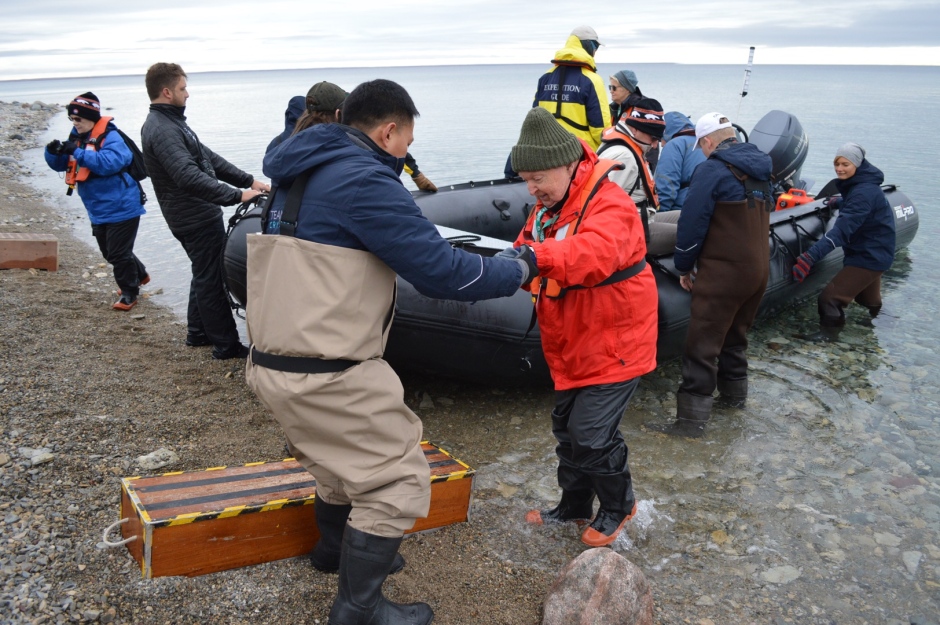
pixel 755 190
pixel 295 195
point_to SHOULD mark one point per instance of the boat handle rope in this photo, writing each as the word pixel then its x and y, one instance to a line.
pixel 110 528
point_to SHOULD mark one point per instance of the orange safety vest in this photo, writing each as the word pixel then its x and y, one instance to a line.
pixel 74 173
pixel 612 135
pixel 549 286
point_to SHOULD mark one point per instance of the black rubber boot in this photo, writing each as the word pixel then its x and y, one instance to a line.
pixel 692 412
pixel 576 505
pixel 331 521
pixel 362 569
pixel 617 506
pixel 733 393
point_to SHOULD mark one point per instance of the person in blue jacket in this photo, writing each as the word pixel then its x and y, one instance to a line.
pixel 865 231
pixel 321 300
pixel 677 160
pixel 295 108
pixel 95 160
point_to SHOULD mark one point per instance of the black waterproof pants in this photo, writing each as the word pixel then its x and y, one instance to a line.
pixel 116 242
pixel 209 310
pixel 591 449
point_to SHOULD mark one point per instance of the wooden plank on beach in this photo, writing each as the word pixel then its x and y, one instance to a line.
pixel 22 250
pixel 198 522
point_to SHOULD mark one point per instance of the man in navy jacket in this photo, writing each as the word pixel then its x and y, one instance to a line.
pixel 321 299
pixel 722 252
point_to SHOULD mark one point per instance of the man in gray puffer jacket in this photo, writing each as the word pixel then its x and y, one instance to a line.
pixel 189 181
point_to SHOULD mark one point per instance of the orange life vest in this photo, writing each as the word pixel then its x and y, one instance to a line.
pixel 602 168
pixel 613 135
pixel 74 173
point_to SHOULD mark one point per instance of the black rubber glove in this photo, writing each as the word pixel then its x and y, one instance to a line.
pixel 524 255
pixel 68 147
pixel 53 147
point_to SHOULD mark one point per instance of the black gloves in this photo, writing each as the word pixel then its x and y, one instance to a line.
pixel 61 147
pixel 525 255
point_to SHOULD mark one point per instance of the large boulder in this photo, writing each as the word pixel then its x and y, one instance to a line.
pixel 599 587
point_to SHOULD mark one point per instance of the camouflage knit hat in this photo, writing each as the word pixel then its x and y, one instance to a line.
pixel 325 97
pixel 543 143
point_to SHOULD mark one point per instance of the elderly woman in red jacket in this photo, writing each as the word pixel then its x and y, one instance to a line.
pixel 596 302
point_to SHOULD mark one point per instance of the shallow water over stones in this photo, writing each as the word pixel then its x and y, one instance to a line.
pixel 817 502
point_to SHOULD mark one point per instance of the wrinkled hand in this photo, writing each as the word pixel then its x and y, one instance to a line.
pixel 803 266
pixel 423 183
pixel 54 147
pixel 525 255
pixel 257 185
pixel 686 280
pixel 249 194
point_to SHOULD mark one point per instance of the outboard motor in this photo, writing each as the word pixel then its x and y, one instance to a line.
pixel 781 136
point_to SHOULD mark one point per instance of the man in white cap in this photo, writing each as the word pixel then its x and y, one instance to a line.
pixel 573 92
pixel 724 231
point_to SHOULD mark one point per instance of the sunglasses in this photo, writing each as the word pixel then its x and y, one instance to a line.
pixel 76 119
pixel 613 87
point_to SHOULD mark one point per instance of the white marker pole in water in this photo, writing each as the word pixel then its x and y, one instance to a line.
pixel 747 80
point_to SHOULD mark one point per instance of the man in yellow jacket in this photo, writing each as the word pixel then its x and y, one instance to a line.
pixel 573 92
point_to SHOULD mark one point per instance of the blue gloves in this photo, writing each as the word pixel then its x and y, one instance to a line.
pixel 524 255
pixel 803 266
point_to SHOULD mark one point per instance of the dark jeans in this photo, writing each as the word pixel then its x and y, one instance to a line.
pixel 116 242
pixel 852 283
pixel 209 310
pixel 586 424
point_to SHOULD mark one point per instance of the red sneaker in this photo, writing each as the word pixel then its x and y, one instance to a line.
pixel 125 303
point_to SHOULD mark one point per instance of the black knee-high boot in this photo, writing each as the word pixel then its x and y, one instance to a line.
pixel 575 505
pixel 363 567
pixel 331 521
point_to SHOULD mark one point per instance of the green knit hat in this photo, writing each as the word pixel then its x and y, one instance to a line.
pixel 543 143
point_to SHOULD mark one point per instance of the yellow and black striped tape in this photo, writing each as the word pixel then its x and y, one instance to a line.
pixel 190 517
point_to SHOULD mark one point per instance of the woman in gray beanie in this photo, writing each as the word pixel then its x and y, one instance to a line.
pixel 624 92
pixel 596 302
pixel 865 231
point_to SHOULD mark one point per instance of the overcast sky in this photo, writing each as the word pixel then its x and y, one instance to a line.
pixel 52 38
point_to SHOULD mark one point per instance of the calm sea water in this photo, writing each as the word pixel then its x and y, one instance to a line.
pixel 830 474
pixel 470 118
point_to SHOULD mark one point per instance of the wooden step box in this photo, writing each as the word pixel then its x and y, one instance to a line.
pixel 198 522
pixel 23 250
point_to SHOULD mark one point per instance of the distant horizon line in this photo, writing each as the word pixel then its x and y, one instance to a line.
pixel 477 64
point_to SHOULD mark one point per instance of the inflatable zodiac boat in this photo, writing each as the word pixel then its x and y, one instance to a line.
pixel 494 340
